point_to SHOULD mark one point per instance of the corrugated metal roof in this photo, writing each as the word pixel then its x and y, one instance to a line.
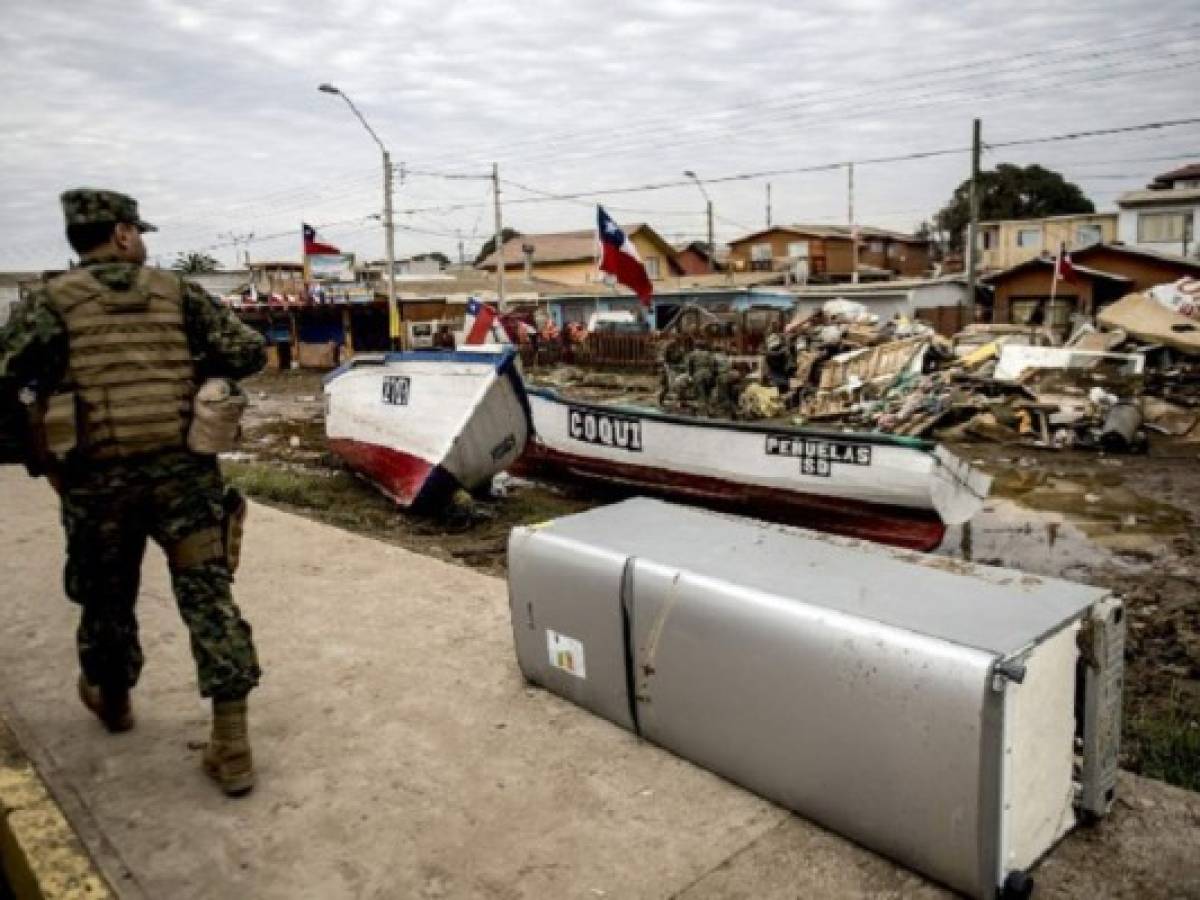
pixel 555 247
pixel 1183 172
pixel 1048 262
pixel 1065 217
pixel 834 232
pixel 1137 251
pixel 1159 197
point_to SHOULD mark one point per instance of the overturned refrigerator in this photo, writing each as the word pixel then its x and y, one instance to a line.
pixel 959 719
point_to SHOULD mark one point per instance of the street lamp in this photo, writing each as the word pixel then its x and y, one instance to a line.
pixel 389 231
pixel 712 249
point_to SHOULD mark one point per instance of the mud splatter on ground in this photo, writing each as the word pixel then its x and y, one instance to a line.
pixel 1126 523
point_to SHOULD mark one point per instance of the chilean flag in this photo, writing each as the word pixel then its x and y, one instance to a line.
pixel 619 258
pixel 479 321
pixel 313 247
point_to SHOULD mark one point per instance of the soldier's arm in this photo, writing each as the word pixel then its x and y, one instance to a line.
pixel 223 346
pixel 33 355
pixel 33 346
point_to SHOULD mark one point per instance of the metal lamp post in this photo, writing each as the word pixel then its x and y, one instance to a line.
pixel 389 231
pixel 712 249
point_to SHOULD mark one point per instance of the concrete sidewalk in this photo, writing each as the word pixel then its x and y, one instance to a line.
pixel 402 755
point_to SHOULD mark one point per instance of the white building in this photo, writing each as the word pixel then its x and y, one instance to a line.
pixel 222 284
pixel 1165 216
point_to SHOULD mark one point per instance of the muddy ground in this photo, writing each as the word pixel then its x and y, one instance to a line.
pixel 1127 523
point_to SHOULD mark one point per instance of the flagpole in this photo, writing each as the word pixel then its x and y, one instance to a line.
pixel 1054 276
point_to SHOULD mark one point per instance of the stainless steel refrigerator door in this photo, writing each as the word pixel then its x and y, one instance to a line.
pixel 568 624
pixel 883 735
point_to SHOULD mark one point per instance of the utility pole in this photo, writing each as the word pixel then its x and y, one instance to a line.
pixel 462 259
pixel 768 204
pixel 499 237
pixel 853 227
pixel 390 242
pixel 241 245
pixel 973 222
pixel 712 247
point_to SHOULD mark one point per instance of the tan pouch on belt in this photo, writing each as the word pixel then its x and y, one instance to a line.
pixel 60 425
pixel 217 417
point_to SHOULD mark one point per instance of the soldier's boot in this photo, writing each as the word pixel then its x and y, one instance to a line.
pixel 110 705
pixel 228 759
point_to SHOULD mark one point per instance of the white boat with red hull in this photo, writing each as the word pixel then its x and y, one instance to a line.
pixel 421 424
pixel 891 489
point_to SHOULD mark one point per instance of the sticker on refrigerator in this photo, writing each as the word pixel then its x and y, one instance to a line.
pixel 566 653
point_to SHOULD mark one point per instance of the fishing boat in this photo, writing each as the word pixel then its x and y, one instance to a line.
pixel 422 424
pixel 887 488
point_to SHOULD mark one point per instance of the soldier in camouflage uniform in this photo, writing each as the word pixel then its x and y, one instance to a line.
pixel 702 367
pixel 723 401
pixel 670 359
pixel 126 345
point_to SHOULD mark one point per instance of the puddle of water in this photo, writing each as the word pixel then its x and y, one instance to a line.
pixel 1066 526
pixel 1059 544
pixel 1005 533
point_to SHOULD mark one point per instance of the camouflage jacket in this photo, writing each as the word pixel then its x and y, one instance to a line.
pixel 33 345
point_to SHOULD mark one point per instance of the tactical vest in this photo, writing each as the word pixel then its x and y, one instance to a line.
pixel 130 366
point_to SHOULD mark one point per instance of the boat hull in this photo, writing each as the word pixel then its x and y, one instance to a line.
pixel 896 491
pixel 421 425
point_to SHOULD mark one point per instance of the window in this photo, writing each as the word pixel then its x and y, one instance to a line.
pixel 1159 228
pixel 1086 235
pixel 760 253
pixel 987 239
pixel 1042 311
pixel 651 264
pixel 875 247
pixel 798 249
pixel 1029 237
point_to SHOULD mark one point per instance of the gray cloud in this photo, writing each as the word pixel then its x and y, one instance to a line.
pixel 208 112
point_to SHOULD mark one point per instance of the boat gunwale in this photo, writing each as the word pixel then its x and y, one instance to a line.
pixel 500 359
pixel 864 437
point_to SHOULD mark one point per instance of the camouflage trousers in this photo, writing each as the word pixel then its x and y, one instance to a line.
pixel 109 510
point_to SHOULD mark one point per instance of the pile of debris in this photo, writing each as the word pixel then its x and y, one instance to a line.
pixel 1136 369
pixel 819 367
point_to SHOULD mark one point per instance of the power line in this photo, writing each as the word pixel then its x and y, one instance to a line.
pixel 544 196
pixel 608 145
pixel 1130 41
pixel 548 196
pixel 955 95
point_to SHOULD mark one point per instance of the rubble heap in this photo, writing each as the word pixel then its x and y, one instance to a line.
pixel 1135 370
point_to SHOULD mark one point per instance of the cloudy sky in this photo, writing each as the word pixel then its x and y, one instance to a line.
pixel 208 112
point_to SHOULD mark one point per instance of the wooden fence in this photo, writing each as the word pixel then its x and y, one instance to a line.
pixel 637 352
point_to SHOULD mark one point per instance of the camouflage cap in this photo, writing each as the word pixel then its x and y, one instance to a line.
pixel 84 206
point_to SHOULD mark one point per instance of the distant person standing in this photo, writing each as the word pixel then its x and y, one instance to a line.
pixel 107 359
